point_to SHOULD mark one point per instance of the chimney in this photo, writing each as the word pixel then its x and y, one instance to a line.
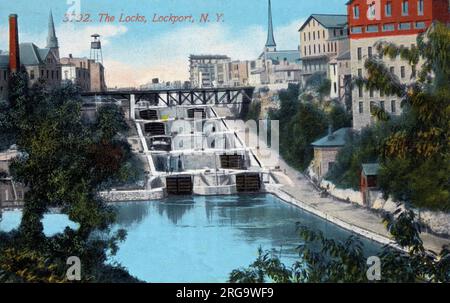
pixel 14 55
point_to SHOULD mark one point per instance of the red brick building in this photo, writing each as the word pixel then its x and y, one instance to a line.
pixel 396 21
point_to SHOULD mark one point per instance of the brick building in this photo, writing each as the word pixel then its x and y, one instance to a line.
pixel 396 21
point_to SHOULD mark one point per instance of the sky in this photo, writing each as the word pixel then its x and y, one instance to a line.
pixel 136 52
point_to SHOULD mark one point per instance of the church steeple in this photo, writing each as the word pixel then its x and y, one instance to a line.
pixel 52 41
pixel 270 44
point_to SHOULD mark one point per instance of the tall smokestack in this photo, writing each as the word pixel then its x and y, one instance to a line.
pixel 14 55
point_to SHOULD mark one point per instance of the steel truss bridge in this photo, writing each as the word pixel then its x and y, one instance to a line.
pixel 177 97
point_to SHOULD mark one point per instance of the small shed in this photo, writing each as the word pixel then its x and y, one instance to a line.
pixel 326 150
pixel 369 181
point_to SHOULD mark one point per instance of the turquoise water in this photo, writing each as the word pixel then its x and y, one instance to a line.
pixel 202 239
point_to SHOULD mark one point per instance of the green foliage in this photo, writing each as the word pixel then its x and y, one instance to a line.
pixel 339 117
pixel 63 164
pixel 324 260
pixel 360 148
pixel 254 112
pixel 301 123
pixel 414 151
pixel 110 121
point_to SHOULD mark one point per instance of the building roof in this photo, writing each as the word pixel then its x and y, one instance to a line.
pixel 30 54
pixel 371 169
pixel 292 56
pixel 327 20
pixel 344 56
pixel 216 57
pixel 336 139
pixel 270 37
pixel 52 41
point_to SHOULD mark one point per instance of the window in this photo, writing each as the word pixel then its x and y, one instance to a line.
pixel 388 27
pixel 402 72
pixel 314 48
pixel 420 7
pixel 309 36
pixel 356 12
pixel 372 29
pixel 393 106
pixel 335 87
pixel 318 34
pixel 404 26
pixel 314 35
pixel 388 9
pixel 319 48
pixel 360 72
pixel 5 75
pixel 405 8
pixel 381 93
pixel 359 53
pixel 48 73
pixel 304 49
pixel 356 30
pixel 382 105
pixel 324 34
pixel 369 51
pixel 420 25
pixel 360 91
pixel 392 70
pixel 342 32
pixel 361 107
pixel 31 74
pixel 371 93
pixel 310 49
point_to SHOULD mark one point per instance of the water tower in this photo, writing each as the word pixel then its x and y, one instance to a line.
pixel 96 49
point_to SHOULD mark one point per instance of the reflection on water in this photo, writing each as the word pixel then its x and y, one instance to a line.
pixel 202 239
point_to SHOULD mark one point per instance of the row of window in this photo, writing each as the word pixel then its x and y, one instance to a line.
pixel 388 27
pixel 330 47
pixel 388 9
pixel 336 33
pixel 49 74
pixel 359 52
pixel 382 105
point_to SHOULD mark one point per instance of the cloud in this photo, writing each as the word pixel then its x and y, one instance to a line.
pixel 76 41
pixel 166 56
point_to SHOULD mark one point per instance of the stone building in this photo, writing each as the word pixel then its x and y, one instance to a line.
pixel 322 38
pixel 398 22
pixel 76 71
pixel 341 78
pixel 326 150
pixel 209 70
pixel 275 66
pixel 238 73
pixel 85 72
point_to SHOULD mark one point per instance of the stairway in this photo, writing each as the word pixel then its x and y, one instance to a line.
pixel 248 183
pixel 155 129
pixel 179 185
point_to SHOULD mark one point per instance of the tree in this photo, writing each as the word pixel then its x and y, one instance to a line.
pixel 323 260
pixel 62 167
pixel 418 151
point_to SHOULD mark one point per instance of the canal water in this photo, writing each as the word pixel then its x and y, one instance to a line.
pixel 202 239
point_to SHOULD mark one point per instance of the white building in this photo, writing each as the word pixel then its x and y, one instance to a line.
pixel 209 70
